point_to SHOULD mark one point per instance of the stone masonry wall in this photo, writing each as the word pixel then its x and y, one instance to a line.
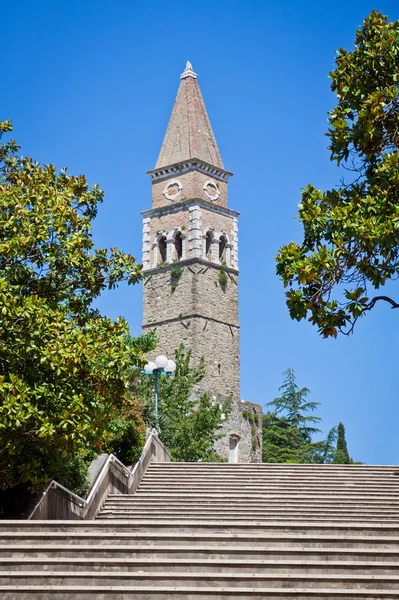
pixel 203 316
pixel 217 343
pixel 245 424
pixel 197 292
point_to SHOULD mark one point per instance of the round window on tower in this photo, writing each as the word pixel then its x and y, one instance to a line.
pixel 211 190
pixel 172 189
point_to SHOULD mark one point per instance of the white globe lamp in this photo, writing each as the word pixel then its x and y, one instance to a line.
pixel 161 362
pixel 171 366
pixel 149 368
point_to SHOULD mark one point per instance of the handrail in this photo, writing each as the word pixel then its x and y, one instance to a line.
pixel 132 475
pixel 147 444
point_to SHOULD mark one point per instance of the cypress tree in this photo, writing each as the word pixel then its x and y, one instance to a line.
pixel 341 454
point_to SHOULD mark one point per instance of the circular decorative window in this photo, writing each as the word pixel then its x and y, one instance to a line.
pixel 211 190
pixel 172 189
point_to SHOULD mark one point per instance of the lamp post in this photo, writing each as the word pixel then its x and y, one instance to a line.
pixel 161 366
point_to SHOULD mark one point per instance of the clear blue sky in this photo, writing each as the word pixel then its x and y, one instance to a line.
pixel 90 84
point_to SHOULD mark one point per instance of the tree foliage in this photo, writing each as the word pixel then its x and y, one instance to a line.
pixel 295 406
pixel 288 429
pixel 341 455
pixel 64 368
pixel 284 443
pixel 351 233
pixel 189 425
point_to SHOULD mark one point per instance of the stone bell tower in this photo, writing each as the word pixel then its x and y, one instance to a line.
pixel 190 256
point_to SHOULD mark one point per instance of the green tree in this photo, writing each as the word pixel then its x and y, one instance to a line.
pixel 294 405
pixel 288 430
pixel 284 443
pixel 65 370
pixel 189 425
pixel 351 234
pixel 326 449
pixel 341 454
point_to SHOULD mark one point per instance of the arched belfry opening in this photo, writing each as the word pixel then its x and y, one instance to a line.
pixel 208 245
pixel 178 243
pixel 162 248
pixel 222 248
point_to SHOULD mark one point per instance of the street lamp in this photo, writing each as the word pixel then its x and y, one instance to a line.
pixel 161 366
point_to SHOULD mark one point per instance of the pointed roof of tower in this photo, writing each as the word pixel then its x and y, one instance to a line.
pixel 189 134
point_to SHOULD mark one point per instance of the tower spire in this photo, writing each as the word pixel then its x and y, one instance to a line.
pixel 189 133
pixel 188 71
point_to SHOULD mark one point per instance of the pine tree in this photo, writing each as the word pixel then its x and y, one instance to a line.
pixel 341 454
pixel 283 443
pixel 288 430
pixel 293 404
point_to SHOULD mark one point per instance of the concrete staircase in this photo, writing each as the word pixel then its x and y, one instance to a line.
pixel 219 531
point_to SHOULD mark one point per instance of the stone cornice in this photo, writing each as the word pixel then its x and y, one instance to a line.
pixel 192 164
pixel 187 262
pixel 178 206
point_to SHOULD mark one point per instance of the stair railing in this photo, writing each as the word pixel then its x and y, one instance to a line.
pixel 57 502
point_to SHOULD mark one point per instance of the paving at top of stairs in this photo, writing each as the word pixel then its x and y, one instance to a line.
pixel 217 531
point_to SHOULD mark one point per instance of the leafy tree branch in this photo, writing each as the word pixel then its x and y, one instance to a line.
pixel 351 234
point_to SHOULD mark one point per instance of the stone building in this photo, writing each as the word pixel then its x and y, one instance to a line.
pixel 190 260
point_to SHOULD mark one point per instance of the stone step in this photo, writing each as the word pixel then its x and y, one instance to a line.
pixel 274 477
pixel 219 478
pixel 284 474
pixel 244 494
pixel 196 515
pixel 251 503
pixel 242 521
pixel 192 564
pixel 267 488
pixel 181 579
pixel 119 525
pixel 265 503
pixel 252 512
pixel 268 491
pixel 255 466
pixel 221 509
pixel 173 550
pixel 259 519
pixel 120 514
pixel 284 498
pixel 21 592
pixel 218 539
pixel 232 496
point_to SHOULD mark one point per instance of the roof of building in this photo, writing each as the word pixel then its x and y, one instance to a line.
pixel 189 133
